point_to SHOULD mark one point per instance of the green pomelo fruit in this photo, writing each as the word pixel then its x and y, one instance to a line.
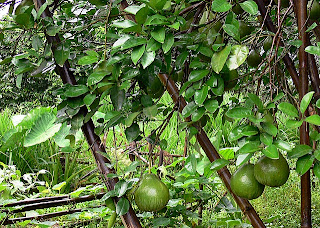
pixel 267 44
pixel 244 184
pixel 151 194
pixel 254 58
pixel 315 10
pixel 272 172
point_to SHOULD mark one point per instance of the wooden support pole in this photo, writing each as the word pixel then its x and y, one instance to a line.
pixel 301 12
pixel 212 154
pixel 129 219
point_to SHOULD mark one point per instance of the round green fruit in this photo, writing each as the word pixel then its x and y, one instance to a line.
pixel 267 44
pixel 151 194
pixel 272 172
pixel 244 29
pixel 315 10
pixel 237 9
pixel 244 184
pixel 254 58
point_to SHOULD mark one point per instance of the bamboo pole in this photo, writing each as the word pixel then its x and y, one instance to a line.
pixel 212 154
pixel 129 219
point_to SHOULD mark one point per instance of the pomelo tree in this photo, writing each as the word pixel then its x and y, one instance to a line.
pixel 127 54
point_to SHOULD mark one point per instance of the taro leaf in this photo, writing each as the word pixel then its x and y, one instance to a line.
pixel 137 53
pixel 189 109
pixel 256 100
pixel 314 119
pixel 299 151
pixel 43 129
pixel 237 56
pixel 249 147
pixel 60 136
pixel 219 59
pixel 288 109
pixel 168 43
pixel 211 105
pixel 270 128
pixel 232 30
pixel 159 34
pixel 76 90
pixel 221 6
pixel 201 95
pixel 305 101
pixel 218 164
pixel 120 188
pixel 197 114
pixel 61 54
pixel 117 97
pixel 96 77
pixel 147 58
pixel 266 139
pixel 197 75
pixel 122 206
pixel 250 6
pixel 316 169
pixel 271 152
pixel 294 123
pixel 238 112
pixel 132 132
pixel 11 138
pixel 304 164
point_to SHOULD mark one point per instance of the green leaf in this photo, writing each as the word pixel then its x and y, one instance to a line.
pixel 129 120
pixel 122 206
pixel 77 192
pixel 305 101
pixel 151 111
pixel 36 43
pixel 311 27
pixel 293 123
pixel 159 34
pixel 60 136
pixel 197 75
pixel 271 152
pixel 96 77
pixel 120 188
pixel 147 58
pixel 221 6
pixel 219 90
pixel 218 164
pixel 239 112
pixel 316 169
pixel 304 164
pixel 227 153
pixel 282 145
pixel 59 186
pixel 76 90
pixel 61 54
pixel 117 97
pixel 142 15
pixel 89 99
pixel 238 56
pixel 137 53
pixel 157 4
pixel 189 109
pixel 197 114
pixel 270 128
pixel 43 129
pixel 243 158
pixel 201 95
pixel 250 6
pixel 160 222
pixel 124 24
pixel 314 50
pixel 232 31
pixel 314 119
pixel 168 43
pixel 249 147
pixel 256 100
pixel 133 9
pixel 87 60
pixel 299 151
pixel 249 130
pixel 266 139
pixel 211 105
pixel 132 132
pixel 219 59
